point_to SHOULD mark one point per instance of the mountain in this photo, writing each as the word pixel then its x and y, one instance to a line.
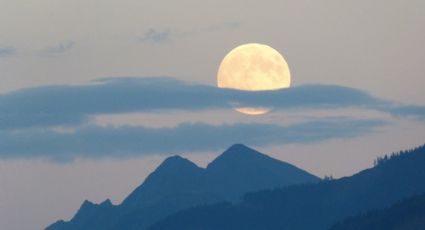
pixel 311 206
pixel 178 184
pixel 241 169
pixel 408 214
pixel 175 177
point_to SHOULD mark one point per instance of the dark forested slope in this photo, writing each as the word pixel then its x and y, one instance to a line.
pixel 408 214
pixel 312 206
pixel 178 184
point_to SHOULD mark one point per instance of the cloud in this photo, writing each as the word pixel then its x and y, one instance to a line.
pixel 56 122
pixel 58 49
pixel 162 35
pixel 74 105
pixel 7 51
pixel 95 141
pixel 155 36
pixel 414 111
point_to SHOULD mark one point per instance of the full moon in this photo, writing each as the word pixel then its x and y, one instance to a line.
pixel 253 67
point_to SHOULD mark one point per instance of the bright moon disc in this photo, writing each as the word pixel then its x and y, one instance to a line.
pixel 253 67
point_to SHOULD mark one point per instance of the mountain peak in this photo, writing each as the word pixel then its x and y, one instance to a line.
pixel 87 204
pixel 238 153
pixel 170 176
pixel 106 203
pixel 175 158
pixel 89 208
pixel 176 162
pixel 238 148
pixel 253 170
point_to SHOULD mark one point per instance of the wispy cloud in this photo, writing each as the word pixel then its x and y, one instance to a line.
pixel 156 35
pixel 57 49
pixel 74 105
pixel 94 141
pixel 413 111
pixel 7 51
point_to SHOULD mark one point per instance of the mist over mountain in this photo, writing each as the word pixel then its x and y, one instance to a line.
pixel 311 206
pixel 178 184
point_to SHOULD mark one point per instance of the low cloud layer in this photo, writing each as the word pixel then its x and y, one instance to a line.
pixel 95 141
pixel 73 105
pixel 56 122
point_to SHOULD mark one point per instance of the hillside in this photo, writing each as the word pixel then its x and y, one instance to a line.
pixel 311 206
pixel 408 214
pixel 178 184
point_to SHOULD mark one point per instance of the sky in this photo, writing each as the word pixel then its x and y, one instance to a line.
pixel 95 94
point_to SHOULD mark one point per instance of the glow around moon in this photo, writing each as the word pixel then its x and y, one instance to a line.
pixel 253 67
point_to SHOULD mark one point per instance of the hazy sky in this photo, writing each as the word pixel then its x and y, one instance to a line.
pixel 357 72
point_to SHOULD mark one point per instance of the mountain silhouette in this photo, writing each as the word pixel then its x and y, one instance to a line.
pixel 408 214
pixel 178 184
pixel 176 176
pixel 241 169
pixel 311 206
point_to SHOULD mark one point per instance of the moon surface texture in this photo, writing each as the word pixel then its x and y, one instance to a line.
pixel 253 67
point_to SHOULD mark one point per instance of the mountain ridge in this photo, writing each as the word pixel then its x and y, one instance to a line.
pixel 311 206
pixel 178 183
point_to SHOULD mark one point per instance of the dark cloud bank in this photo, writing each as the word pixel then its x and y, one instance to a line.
pixel 7 51
pixel 95 141
pixel 27 116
